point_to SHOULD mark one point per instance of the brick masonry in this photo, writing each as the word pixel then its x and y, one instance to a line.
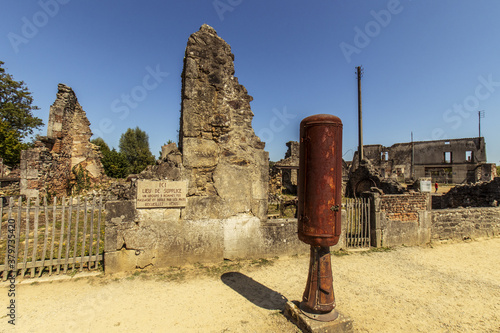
pixel 404 207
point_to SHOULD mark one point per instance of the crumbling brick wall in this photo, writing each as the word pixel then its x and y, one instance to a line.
pixel 404 207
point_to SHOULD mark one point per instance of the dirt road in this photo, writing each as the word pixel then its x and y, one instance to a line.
pixel 444 288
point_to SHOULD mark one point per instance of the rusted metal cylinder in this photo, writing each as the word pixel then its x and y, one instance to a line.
pixel 319 208
pixel 320 180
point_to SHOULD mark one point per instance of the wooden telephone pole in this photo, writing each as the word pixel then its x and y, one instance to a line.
pixel 359 73
pixel 480 115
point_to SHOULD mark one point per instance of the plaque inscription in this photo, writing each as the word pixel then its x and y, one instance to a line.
pixel 161 193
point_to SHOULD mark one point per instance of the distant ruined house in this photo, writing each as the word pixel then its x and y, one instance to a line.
pixel 65 160
pixel 289 168
pixel 445 161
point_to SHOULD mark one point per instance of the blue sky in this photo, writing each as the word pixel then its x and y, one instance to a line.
pixel 429 66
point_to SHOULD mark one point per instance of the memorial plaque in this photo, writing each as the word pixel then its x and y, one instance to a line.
pixel 161 193
pixel 425 185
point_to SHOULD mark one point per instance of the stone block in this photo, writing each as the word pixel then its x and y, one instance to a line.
pixel 342 324
pixel 111 239
pixel 119 261
pixel 242 236
pixel 202 207
pixel 203 241
pixel 200 153
pixel 125 210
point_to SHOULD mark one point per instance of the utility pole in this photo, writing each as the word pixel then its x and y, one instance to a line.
pixel 480 115
pixel 412 171
pixel 359 72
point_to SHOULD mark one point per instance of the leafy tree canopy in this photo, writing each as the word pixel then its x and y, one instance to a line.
pixel 134 145
pixel 115 164
pixel 16 117
pixel 101 144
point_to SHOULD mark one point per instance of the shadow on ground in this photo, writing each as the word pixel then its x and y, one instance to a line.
pixel 253 291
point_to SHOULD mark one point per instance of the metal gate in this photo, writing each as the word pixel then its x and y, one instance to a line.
pixel 37 238
pixel 358 222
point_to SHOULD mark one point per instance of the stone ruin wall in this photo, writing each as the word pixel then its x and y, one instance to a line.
pixel 288 167
pixel 227 171
pixel 224 160
pixel 465 223
pixel 484 194
pixel 47 169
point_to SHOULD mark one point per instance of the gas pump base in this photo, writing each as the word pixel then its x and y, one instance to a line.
pixel 340 325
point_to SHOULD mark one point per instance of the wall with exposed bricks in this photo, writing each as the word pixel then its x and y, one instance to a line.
pixel 404 207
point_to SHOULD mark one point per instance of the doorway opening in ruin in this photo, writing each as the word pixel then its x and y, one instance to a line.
pixel 440 175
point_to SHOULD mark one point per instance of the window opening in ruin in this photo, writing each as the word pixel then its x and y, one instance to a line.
pixel 447 157
pixel 384 156
pixel 447 142
pixel 469 156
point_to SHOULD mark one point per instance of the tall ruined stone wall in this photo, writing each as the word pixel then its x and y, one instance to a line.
pixel 70 128
pixel 51 166
pixel 223 159
pixel 224 165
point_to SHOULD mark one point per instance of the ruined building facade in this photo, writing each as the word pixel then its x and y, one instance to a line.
pixel 289 167
pixel 445 161
pixel 65 160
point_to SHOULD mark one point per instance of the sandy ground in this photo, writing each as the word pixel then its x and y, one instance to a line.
pixel 444 288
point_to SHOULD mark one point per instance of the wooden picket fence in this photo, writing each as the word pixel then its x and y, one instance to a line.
pixel 358 222
pixel 36 238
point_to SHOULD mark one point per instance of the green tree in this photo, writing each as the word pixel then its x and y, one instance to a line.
pixel 498 171
pixel 134 145
pixel 115 164
pixel 17 121
pixel 101 144
pixel 10 144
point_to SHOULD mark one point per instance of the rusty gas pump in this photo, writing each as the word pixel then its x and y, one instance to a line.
pixel 319 208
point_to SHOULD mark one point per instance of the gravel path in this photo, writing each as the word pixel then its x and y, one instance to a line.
pixel 444 288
